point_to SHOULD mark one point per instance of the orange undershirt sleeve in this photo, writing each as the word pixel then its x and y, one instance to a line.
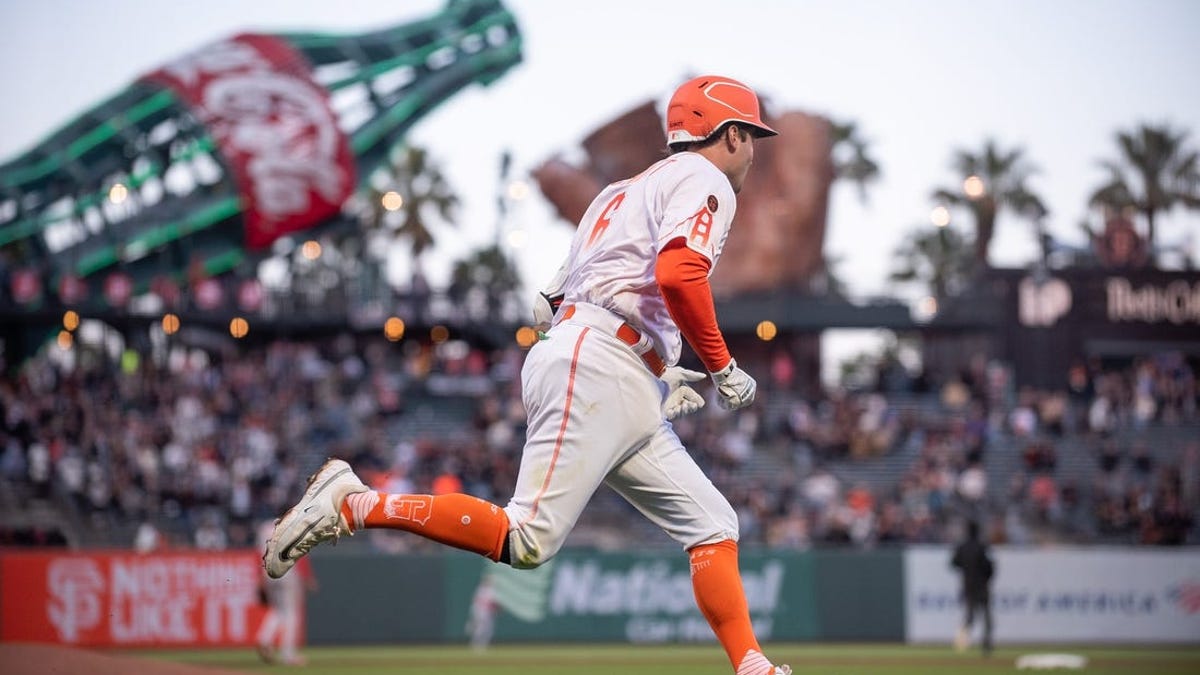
pixel 682 276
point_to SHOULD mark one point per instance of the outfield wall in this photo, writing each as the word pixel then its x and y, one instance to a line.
pixel 125 599
pixel 1100 595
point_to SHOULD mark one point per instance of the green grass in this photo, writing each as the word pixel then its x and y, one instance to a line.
pixel 844 659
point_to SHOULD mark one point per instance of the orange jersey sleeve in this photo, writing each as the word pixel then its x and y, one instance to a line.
pixel 682 276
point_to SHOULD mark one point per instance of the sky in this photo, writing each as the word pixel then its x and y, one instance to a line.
pixel 920 77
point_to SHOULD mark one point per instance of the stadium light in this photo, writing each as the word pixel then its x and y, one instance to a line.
pixel 526 337
pixel 170 324
pixel 925 309
pixel 973 187
pixel 311 249
pixel 71 319
pixel 239 327
pixel 393 329
pixel 766 330
pixel 118 193
pixel 517 238
pixel 392 201
pixel 518 190
pixel 940 216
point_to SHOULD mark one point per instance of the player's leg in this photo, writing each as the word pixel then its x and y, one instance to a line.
pixel 289 633
pixel 609 407
pixel 985 606
pixel 337 502
pixel 268 630
pixel 578 424
pixel 457 520
pixel 665 484
pixel 585 412
pixel 962 639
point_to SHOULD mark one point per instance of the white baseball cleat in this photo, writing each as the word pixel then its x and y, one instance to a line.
pixel 781 670
pixel 315 519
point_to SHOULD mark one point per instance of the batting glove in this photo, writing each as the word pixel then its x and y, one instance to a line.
pixel 735 387
pixel 544 307
pixel 681 399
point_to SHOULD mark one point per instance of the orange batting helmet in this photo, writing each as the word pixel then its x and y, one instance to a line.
pixel 701 105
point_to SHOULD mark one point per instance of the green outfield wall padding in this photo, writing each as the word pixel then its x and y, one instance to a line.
pixel 599 597
pixel 624 597
pixel 860 595
pixel 377 599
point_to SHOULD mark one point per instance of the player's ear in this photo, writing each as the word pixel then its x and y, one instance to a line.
pixel 733 134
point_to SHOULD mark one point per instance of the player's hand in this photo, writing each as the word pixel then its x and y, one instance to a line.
pixel 735 387
pixel 676 377
pixel 681 399
pixel 544 307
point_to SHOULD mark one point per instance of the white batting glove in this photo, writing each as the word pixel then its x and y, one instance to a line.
pixel 735 387
pixel 681 399
pixel 544 307
pixel 676 377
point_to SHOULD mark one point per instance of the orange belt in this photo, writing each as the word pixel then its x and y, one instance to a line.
pixel 630 336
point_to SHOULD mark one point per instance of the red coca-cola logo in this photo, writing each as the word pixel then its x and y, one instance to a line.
pixel 275 128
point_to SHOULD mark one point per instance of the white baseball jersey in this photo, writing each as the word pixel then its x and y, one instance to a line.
pixel 594 408
pixel 612 258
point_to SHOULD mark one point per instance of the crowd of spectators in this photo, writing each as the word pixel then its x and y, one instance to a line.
pixel 197 448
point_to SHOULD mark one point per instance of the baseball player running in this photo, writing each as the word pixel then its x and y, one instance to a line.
pixel 600 390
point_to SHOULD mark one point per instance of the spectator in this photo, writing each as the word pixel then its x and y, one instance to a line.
pixel 821 489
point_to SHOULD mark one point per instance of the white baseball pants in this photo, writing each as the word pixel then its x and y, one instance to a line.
pixel 595 416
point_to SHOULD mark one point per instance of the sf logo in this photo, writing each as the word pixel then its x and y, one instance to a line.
pixel 75 586
pixel 414 508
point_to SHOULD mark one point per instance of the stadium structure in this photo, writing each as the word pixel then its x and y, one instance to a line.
pixel 1057 405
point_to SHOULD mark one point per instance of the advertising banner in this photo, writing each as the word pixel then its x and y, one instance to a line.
pixel 1047 322
pixel 191 599
pixel 584 596
pixel 1063 595
pixel 274 127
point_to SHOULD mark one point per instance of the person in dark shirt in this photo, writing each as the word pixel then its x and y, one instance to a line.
pixel 973 561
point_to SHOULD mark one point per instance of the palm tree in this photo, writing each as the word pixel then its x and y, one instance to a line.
pixel 1154 173
pixel 993 180
pixel 422 189
pixel 850 157
pixel 940 257
pixel 488 277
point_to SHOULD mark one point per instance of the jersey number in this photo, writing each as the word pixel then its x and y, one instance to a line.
pixel 605 218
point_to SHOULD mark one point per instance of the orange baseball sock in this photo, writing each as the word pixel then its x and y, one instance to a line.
pixel 457 520
pixel 718 588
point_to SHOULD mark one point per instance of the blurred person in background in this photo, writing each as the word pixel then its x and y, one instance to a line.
pixel 481 622
pixel 278 638
pixel 147 538
pixel 973 561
